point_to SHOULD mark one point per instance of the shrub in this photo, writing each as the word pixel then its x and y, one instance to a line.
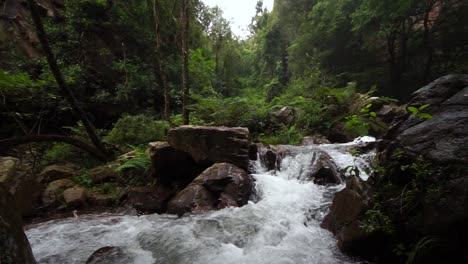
pixel 136 130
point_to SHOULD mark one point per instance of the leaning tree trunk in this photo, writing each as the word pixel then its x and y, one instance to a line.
pixel 68 93
pixel 160 63
pixel 185 55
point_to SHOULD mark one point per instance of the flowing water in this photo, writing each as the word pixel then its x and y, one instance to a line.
pixel 280 227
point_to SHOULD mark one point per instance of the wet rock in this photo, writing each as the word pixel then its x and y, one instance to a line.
pixel 22 184
pixel 172 167
pixel 14 245
pixel 253 152
pixel 75 197
pixel 105 173
pixel 53 194
pixel 344 219
pixel 114 255
pixel 314 140
pixel 217 187
pixel 444 137
pixel 271 156
pixel 149 199
pixel 209 145
pixel 57 172
pixel 324 170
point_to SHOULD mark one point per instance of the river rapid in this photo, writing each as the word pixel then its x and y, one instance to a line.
pixel 281 225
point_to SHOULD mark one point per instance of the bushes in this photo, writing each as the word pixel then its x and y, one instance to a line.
pixel 136 130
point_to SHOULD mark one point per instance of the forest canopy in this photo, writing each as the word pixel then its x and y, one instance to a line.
pixel 171 62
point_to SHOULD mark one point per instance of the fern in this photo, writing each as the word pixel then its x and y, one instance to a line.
pixel 139 162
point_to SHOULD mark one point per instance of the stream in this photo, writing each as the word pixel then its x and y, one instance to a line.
pixel 282 226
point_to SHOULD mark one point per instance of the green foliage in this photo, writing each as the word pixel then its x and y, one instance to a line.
pixel 136 130
pixel 284 135
pixel 139 162
pixel 418 111
pixel 136 168
pixel 84 180
pixel 59 152
pixel 375 220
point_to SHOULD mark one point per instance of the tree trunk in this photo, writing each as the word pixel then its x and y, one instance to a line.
pixel 160 63
pixel 68 93
pixel 185 55
pixel 9 142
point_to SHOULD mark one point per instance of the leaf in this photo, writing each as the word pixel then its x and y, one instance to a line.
pixel 373 114
pixel 422 107
pixel 425 115
pixel 413 110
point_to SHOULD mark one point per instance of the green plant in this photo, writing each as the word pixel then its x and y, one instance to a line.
pixel 421 248
pixel 376 220
pixel 417 111
pixel 284 135
pixel 59 152
pixel 140 161
pixel 84 180
pixel 136 130
pixel 136 168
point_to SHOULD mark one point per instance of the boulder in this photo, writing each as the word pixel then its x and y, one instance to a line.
pixel 56 172
pixel 75 197
pixel 172 167
pixel 283 114
pixel 105 173
pixel 444 137
pixel 115 255
pixel 101 200
pixel 272 155
pixel 219 186
pixel 14 245
pixel 323 170
pixel 53 194
pixel 149 199
pixel 314 140
pixel 209 145
pixel 344 219
pixel 22 184
pixel 8 168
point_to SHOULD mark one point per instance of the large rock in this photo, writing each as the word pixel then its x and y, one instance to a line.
pixel 172 167
pixel 22 184
pixel 105 173
pixel 149 199
pixel 344 219
pixel 57 172
pixel 323 170
pixel 53 194
pixel 14 246
pixel 444 137
pixel 219 186
pixel 75 197
pixel 209 145
pixel 115 255
pixel 421 185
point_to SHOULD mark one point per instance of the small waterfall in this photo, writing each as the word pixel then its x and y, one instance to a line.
pixel 281 227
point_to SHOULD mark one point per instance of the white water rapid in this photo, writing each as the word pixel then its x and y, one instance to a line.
pixel 281 227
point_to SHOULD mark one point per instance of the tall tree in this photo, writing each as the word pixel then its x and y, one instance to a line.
pixel 66 90
pixel 185 18
pixel 159 59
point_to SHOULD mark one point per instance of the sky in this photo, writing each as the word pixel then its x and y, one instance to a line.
pixel 239 12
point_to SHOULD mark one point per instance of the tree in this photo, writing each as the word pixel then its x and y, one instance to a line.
pixel 185 19
pixel 68 93
pixel 160 62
